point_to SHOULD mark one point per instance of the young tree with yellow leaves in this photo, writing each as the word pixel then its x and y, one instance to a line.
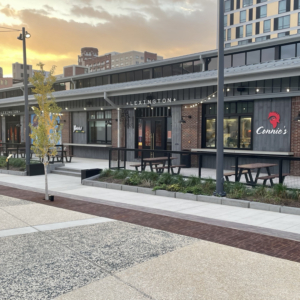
pixel 46 134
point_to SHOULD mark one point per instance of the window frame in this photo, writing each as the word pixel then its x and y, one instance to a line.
pixel 108 122
pixel 228 115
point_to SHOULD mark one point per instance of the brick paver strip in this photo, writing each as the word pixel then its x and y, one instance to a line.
pixel 255 242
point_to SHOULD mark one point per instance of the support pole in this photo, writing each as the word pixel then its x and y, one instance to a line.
pixel 26 110
pixel 220 105
pixel 118 127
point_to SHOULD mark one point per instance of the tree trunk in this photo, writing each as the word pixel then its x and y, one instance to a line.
pixel 46 178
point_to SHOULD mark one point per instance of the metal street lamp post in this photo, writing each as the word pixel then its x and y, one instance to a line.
pixel 220 104
pixel 23 37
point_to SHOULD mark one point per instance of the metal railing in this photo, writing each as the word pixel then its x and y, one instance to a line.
pixel 17 150
pixel 118 159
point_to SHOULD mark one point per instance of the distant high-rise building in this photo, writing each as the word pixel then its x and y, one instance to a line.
pixel 248 21
pixel 89 58
pixel 87 53
pixel 5 82
pixel 19 73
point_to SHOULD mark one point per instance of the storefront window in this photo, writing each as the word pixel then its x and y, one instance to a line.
pixel 230 130
pixel 237 125
pixel 210 134
pixel 99 126
pixel 245 132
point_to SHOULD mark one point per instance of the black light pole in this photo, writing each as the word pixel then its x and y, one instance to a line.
pixel 220 104
pixel 23 37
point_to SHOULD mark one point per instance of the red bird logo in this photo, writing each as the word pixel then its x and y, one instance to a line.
pixel 274 118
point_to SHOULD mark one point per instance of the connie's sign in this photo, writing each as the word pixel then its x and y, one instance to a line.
pixel 274 119
pixel 152 102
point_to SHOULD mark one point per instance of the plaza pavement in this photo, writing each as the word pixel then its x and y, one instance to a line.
pixel 53 253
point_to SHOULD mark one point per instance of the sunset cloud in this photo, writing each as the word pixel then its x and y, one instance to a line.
pixel 59 31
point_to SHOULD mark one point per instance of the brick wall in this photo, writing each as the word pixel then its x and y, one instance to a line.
pixel 191 130
pixel 150 56
pixel 68 71
pixel 295 136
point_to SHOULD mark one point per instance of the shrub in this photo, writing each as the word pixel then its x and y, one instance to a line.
pixel 149 178
pixel 106 173
pixel 121 174
pixel 165 178
pixel 192 181
pixel 160 187
pixel 174 187
pixel 238 191
pixel 133 179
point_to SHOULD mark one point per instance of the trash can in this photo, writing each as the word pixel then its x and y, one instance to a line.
pixel 89 173
pixel 185 158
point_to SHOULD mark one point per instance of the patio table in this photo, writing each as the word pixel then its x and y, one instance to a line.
pixel 152 160
pixel 249 167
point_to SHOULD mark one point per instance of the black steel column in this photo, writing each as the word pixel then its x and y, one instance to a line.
pixel 26 110
pixel 220 105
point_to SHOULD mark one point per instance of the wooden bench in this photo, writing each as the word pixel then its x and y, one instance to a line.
pixel 137 166
pixel 271 177
pixel 228 174
pixel 161 169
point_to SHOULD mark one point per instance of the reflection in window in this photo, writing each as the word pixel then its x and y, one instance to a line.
pixel 249 30
pixel 243 16
pixel 247 2
pixel 157 72
pixel 229 34
pixel 284 22
pixel 267 26
pixel 177 69
pixel 99 131
pixel 288 51
pixel 238 59
pixel 245 132
pixel 263 11
pixel 230 130
pixel 267 54
pixel 188 67
pixel 253 57
pixel 282 6
pixel 210 134
pixel 212 63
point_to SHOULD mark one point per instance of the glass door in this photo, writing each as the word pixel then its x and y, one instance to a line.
pixel 152 135
pixel 13 133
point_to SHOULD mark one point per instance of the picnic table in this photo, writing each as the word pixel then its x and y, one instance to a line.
pixel 258 166
pixel 154 160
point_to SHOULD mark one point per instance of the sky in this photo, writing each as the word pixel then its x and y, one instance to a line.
pixel 60 28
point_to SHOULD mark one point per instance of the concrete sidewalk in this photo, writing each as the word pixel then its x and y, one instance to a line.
pixel 71 186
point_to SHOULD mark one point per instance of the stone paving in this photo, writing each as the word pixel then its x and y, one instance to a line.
pixel 67 258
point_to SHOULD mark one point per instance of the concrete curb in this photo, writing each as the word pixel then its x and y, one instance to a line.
pixel 201 198
pixel 11 172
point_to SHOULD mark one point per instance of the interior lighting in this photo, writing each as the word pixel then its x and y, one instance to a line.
pixel 66 108
pixel 169 107
pixel 228 90
pixel 287 90
pixel 257 90
pixel 85 108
